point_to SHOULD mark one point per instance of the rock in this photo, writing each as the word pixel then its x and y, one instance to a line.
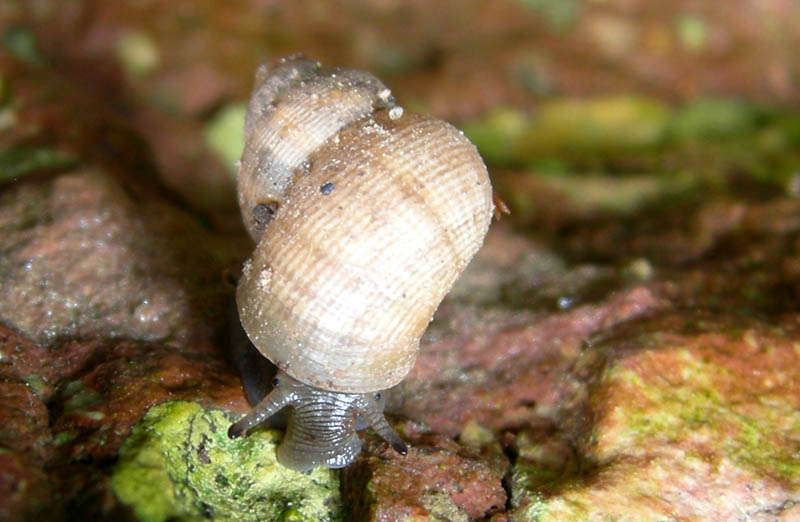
pixel 616 351
pixel 509 371
pixel 25 491
pixel 179 464
pixel 438 479
pixel 82 258
pixel 694 420
pixel 95 409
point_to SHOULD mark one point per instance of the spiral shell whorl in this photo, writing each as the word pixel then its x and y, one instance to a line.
pixel 295 107
pixel 344 283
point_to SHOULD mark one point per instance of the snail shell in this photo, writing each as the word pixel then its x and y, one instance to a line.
pixel 295 108
pixel 364 215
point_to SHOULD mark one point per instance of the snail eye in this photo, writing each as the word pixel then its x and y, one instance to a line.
pixel 378 396
pixel 276 381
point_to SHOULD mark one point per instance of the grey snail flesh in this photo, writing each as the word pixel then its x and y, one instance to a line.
pixel 364 215
pixel 311 438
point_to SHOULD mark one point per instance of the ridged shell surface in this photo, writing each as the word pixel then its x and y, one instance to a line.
pixel 373 232
pixel 295 107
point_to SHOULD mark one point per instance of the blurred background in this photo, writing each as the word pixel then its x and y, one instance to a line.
pixel 577 105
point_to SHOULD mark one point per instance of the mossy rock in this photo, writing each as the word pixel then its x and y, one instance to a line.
pixel 179 464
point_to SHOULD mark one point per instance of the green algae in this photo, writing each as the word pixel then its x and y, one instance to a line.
pixel 441 507
pixel 16 162
pixel 64 436
pixel 569 126
pixel 693 32
pixel 654 406
pixel 179 464
pixel 618 194
pixel 37 383
pixel 561 15
pixel 565 130
pixel 79 398
pixel 743 429
pixel 19 41
pixel 224 134
pixel 496 133
pixel 710 142
pixel 713 118
pixel 137 53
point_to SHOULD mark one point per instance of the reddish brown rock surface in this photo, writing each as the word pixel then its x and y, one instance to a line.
pixel 695 420
pixel 607 354
pixel 438 478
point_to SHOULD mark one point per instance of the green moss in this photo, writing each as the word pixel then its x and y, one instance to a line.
pixel 678 403
pixel 712 118
pixel 528 481
pixel 598 126
pixel 137 53
pixel 19 161
pixel 692 32
pixel 442 507
pixel 739 430
pixel 64 437
pixel 37 384
pixel 495 134
pixel 711 142
pixel 19 41
pixel 476 436
pixel 79 398
pixel 560 14
pixel 615 193
pixel 533 510
pixel 225 134
pixel 179 464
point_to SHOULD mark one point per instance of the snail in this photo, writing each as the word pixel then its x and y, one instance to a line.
pixel 363 215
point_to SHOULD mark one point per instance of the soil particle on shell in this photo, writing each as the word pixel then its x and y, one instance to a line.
pixel 263 213
pixel 327 188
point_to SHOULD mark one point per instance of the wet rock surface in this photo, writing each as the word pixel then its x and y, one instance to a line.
pixel 439 478
pixel 624 346
pixel 84 259
pixel 691 418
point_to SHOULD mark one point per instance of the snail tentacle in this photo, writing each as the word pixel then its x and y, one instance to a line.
pixel 374 415
pixel 278 398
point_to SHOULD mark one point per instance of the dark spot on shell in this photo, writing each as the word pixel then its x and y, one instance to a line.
pixel 360 173
pixel 263 213
pixel 327 188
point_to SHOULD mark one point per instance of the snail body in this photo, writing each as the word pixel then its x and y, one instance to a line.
pixel 364 215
